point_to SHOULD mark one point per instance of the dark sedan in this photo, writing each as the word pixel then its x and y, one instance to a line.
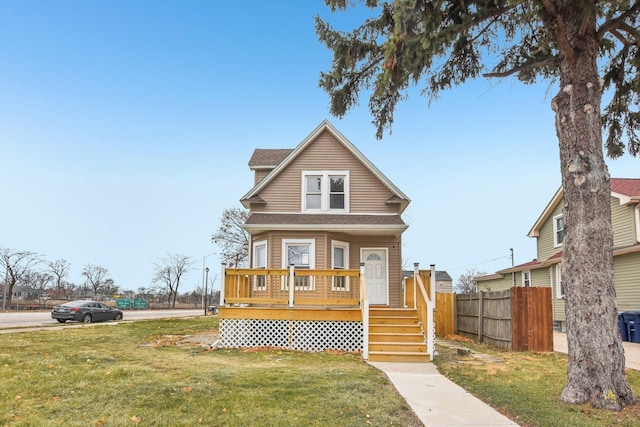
pixel 85 312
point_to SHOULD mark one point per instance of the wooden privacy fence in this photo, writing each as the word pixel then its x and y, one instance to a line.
pixel 445 314
pixel 518 318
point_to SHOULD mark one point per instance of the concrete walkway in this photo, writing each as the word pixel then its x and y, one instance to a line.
pixel 439 402
pixel 436 400
pixel 631 350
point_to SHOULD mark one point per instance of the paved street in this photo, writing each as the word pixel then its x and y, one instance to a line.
pixel 12 320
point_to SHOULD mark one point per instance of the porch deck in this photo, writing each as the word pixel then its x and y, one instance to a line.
pixel 317 310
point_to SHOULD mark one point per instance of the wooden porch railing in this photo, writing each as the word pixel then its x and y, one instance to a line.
pixel 417 296
pixel 273 287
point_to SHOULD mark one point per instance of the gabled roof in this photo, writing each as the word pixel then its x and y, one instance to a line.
pixel 627 190
pixel 324 126
pixel 263 158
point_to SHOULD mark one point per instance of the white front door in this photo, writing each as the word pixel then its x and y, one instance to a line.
pixel 375 275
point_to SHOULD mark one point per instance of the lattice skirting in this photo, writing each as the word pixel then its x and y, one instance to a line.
pixel 303 335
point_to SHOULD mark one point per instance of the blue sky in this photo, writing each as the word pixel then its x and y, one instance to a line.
pixel 126 128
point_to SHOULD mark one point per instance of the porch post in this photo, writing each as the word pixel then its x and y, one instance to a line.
pixel 365 317
pixel 416 273
pixel 431 337
pixel 292 283
pixel 223 281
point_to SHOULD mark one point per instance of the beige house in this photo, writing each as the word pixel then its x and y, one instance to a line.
pixel 325 219
pixel 325 205
pixel 546 269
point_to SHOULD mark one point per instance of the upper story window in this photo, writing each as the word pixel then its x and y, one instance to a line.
pixel 325 191
pixel 558 230
pixel 526 279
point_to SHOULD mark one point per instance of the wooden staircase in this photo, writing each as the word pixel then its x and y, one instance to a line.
pixel 396 336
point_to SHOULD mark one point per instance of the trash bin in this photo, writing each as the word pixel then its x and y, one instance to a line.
pixel 632 319
pixel 622 325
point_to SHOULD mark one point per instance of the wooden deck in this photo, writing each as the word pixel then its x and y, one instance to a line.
pixel 315 310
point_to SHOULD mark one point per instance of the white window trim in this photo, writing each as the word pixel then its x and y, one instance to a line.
pixel 638 224
pixel 324 197
pixel 256 245
pixel 345 246
pixel 559 293
pixel 527 273
pixel 555 231
pixel 312 260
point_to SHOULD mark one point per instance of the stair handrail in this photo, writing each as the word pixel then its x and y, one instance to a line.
pixel 364 308
pixel 425 304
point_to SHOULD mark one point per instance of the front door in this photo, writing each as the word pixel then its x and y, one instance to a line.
pixel 375 275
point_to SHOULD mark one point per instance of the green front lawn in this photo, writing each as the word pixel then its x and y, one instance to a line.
pixel 148 373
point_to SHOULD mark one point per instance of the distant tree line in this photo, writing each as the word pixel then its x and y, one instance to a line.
pixel 29 276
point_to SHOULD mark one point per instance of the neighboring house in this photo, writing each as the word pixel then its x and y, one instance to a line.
pixel 444 282
pixel 546 269
pixel 325 218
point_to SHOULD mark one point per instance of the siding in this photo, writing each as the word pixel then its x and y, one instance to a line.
pixel 626 276
pixel 367 193
pixel 260 174
pixel 622 219
pixel 496 284
pixel 323 254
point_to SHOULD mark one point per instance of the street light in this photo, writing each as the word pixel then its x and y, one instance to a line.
pixel 205 289
pixel 203 280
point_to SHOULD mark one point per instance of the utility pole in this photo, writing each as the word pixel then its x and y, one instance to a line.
pixel 513 273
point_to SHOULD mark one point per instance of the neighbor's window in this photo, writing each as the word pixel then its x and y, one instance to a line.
pixel 526 278
pixel 325 191
pixel 559 285
pixel 340 261
pixel 558 230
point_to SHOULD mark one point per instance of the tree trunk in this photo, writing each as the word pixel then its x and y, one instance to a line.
pixel 596 357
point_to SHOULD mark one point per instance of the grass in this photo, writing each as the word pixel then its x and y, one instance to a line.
pixel 526 387
pixel 145 373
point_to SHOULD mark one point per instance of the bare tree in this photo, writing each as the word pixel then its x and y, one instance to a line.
pixel 232 238
pixel 59 269
pixel 169 271
pixel 17 265
pixel 466 282
pixel 97 277
pixel 39 281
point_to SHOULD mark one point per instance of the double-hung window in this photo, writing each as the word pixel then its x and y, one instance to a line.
pixel 259 260
pixel 340 261
pixel 325 191
pixel 526 279
pixel 559 286
pixel 558 230
pixel 301 254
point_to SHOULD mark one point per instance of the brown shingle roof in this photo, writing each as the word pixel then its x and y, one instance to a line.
pixel 311 219
pixel 268 157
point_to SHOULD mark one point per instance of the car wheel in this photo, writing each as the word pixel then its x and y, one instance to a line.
pixel 86 318
pixel 118 317
pixel 61 320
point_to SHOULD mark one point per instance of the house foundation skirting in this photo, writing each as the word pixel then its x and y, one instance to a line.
pixel 301 335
